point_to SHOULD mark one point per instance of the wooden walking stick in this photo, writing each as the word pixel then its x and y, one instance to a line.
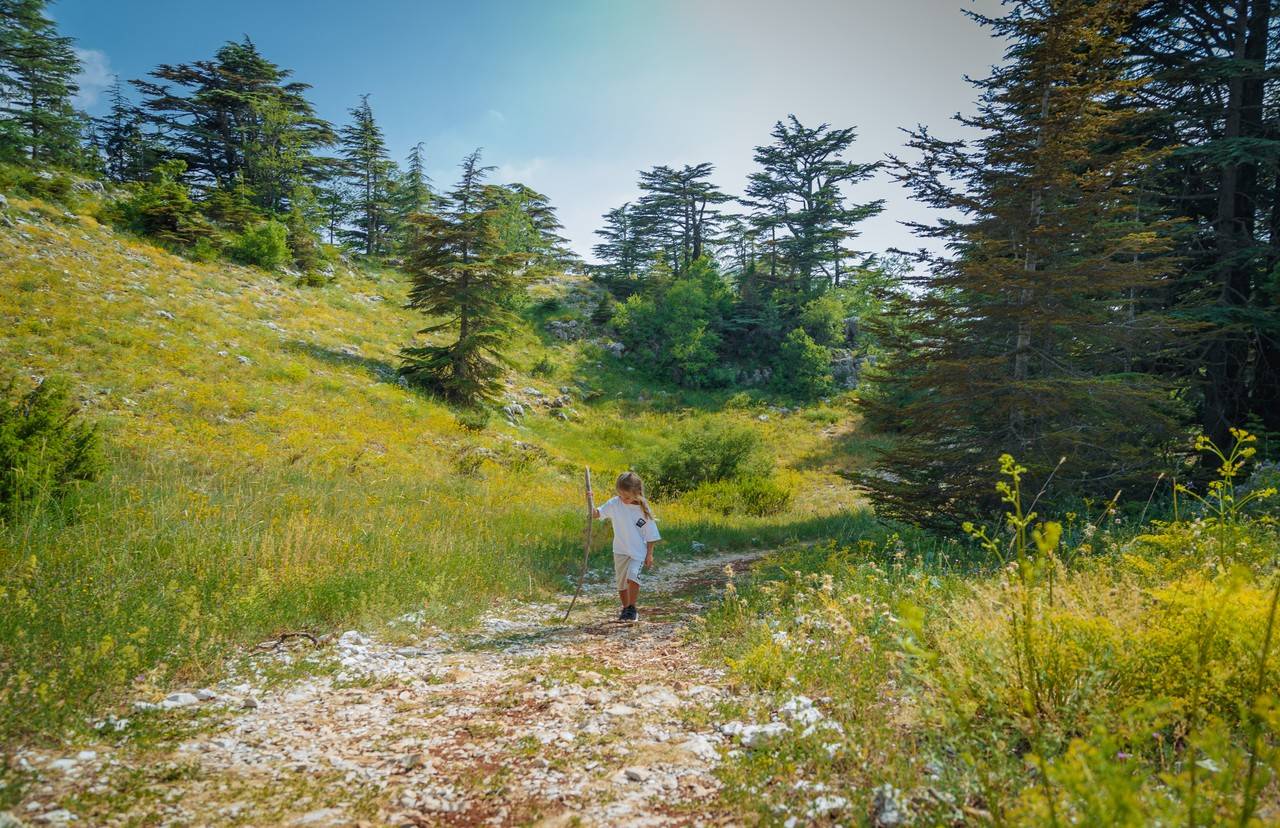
pixel 586 545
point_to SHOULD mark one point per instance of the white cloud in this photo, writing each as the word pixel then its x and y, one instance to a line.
pixel 94 78
pixel 524 172
pixel 495 115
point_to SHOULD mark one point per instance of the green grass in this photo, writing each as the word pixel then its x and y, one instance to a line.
pixel 1123 678
pixel 268 472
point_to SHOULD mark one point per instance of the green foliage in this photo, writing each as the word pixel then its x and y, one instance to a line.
pixel 1076 673
pixel 803 367
pixel 264 245
pixel 705 451
pixel 1013 343
pixel 754 495
pixel 51 185
pixel 823 320
pixel 466 272
pixel 38 68
pixel 473 419
pixel 672 328
pixel 45 449
pixel 603 312
pixel 162 209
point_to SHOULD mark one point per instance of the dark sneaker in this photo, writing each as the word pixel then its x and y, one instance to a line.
pixel 622 616
pixel 630 614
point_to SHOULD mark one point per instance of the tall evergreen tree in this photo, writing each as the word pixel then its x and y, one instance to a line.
pixel 799 205
pixel 127 154
pixel 370 170
pixel 678 211
pixel 237 118
pixel 1215 66
pixel 38 66
pixel 621 251
pixel 466 274
pixel 1017 343
pixel 414 191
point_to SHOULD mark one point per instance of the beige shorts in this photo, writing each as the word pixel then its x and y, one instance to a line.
pixel 626 568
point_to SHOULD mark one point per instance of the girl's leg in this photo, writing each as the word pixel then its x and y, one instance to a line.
pixel 633 593
pixel 624 594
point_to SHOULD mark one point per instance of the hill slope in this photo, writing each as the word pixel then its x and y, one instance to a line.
pixel 269 472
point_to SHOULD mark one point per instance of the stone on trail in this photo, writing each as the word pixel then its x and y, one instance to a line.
pixel 175 700
pixel 323 818
pixel 701 747
pixel 8 820
pixel 205 694
pixel 620 710
pixel 637 774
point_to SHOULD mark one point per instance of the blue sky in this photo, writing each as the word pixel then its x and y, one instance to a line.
pixel 573 97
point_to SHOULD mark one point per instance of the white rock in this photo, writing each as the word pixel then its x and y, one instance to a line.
pixel 701 747
pixel 322 816
pixel 205 694
pixel 826 805
pixel 351 638
pixel 86 756
pixel 620 710
pixel 174 700
pixel 249 703
pixel 634 774
pixel 64 765
pixel 59 817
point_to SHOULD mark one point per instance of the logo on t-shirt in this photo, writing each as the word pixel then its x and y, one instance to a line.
pixel 640 523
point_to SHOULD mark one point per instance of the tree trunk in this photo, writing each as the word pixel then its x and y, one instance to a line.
pixel 1227 356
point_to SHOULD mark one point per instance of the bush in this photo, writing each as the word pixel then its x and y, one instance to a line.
pixel 49 185
pixel 265 245
pixel 473 419
pixel 44 448
pixel 754 496
pixel 163 209
pixel 803 367
pixel 823 320
pixel 705 451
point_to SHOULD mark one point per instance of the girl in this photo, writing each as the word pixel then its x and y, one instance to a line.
pixel 634 534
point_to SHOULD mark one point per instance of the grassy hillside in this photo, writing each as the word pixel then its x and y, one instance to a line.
pixel 269 472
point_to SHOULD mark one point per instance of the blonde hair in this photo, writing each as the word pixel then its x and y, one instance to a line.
pixel 631 483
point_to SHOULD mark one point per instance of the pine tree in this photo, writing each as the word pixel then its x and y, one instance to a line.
pixel 413 195
pixel 677 213
pixel 38 66
pixel 127 154
pixel 799 205
pixel 1018 343
pixel 465 274
pixel 370 174
pixel 621 252
pixel 237 118
pixel 1213 99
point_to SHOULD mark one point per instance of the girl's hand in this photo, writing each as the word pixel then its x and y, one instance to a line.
pixel 648 560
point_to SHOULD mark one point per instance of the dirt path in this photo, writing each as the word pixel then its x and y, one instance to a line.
pixel 526 721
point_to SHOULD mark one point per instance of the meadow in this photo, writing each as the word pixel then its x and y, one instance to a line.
pixel 268 472
pixel 1073 669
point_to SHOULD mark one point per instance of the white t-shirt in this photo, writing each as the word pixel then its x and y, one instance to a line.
pixel 631 529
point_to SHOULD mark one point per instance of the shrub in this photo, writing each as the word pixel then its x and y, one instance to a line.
pixel 473 419
pixel 754 496
pixel 265 245
pixel 803 367
pixel 44 448
pixel 705 451
pixel 823 320
pixel 163 209
pixel 544 367
pixel 603 313
pixel 45 184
